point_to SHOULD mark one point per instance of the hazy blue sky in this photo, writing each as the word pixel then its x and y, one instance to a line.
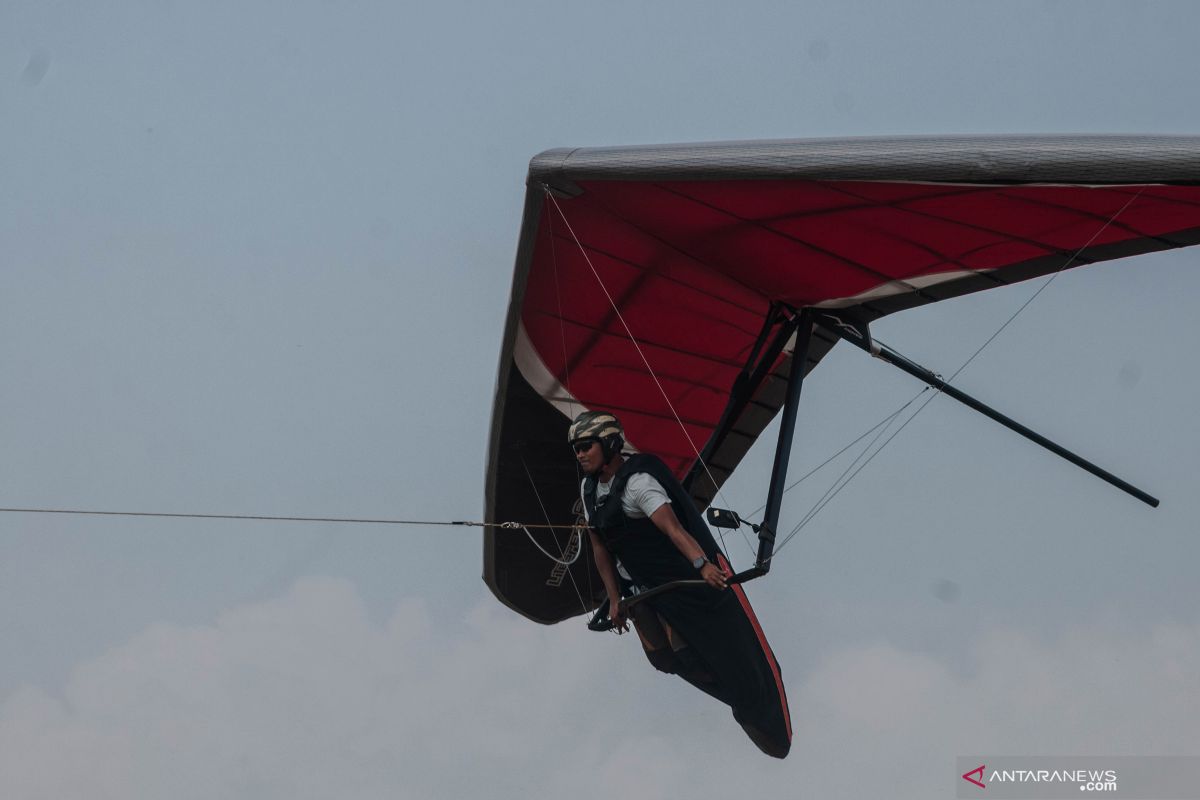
pixel 255 258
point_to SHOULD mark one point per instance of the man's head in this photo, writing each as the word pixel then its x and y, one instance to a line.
pixel 596 437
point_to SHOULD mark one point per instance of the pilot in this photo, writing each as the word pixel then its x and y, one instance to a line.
pixel 640 516
pixel 641 529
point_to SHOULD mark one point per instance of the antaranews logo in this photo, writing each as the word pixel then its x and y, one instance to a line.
pixel 1051 777
pixel 1089 780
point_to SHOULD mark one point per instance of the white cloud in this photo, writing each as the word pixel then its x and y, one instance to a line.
pixel 305 696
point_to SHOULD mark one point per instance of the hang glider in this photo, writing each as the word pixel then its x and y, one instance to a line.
pixel 719 265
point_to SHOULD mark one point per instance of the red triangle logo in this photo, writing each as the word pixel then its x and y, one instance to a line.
pixel 978 773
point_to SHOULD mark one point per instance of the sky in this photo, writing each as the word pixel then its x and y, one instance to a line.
pixel 255 259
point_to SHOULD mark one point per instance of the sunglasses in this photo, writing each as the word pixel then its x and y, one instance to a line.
pixel 582 447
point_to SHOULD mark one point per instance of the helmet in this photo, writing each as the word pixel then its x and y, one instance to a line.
pixel 601 426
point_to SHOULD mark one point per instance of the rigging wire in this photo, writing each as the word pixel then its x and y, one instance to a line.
pixel 563 562
pixel 861 436
pixel 563 338
pixel 567 381
pixel 572 403
pixel 835 489
pixel 265 518
pixel 640 353
pixel 581 530
pixel 562 329
pixel 1045 284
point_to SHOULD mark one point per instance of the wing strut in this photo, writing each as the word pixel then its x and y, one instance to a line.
pixel 802 325
pixel 856 333
pixel 783 447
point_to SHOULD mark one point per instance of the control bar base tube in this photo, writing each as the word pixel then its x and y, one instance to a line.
pixel 601 622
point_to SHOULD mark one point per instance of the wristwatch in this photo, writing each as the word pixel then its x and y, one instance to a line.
pixel 699 562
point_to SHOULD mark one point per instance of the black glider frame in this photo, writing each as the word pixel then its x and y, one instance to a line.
pixel 857 332
pixel 791 322
pixel 801 324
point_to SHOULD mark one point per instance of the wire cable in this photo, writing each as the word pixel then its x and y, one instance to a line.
pixel 1045 284
pixel 645 361
pixel 562 551
pixel 266 518
pixel 862 436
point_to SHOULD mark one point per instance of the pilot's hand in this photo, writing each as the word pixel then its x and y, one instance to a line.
pixel 714 576
pixel 617 615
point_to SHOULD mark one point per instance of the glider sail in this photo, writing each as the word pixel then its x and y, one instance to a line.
pixel 677 285
pixel 649 281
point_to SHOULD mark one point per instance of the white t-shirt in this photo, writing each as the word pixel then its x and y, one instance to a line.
pixel 643 495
